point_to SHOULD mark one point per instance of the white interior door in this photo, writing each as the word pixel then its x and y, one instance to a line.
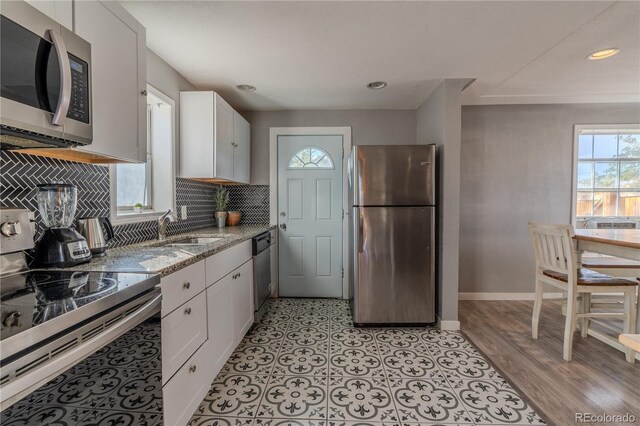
pixel 310 216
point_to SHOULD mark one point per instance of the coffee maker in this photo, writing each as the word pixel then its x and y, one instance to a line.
pixel 60 245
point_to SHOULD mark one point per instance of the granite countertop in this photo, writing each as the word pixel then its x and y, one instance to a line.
pixel 154 257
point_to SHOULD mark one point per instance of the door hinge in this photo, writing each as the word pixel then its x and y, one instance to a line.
pixel 342 272
pixel 342 214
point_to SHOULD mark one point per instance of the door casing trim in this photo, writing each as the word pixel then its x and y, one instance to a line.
pixel 345 132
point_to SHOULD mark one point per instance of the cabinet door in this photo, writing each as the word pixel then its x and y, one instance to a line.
pixel 183 331
pixel 224 139
pixel 222 339
pixel 243 299
pixel 186 389
pixel 60 10
pixel 118 70
pixel 242 149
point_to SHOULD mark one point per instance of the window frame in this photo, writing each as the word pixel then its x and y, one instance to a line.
pixel 127 215
pixel 311 147
pixel 578 129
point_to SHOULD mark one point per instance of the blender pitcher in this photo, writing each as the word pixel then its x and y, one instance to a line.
pixel 60 244
pixel 57 204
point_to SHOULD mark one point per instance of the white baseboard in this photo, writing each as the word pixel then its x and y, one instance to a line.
pixel 506 296
pixel 448 325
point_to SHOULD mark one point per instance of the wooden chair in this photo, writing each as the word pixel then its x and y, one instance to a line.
pixel 556 266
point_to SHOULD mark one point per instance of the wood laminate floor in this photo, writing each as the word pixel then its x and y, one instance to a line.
pixel 597 381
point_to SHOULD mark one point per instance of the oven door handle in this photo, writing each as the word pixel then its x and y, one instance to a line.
pixel 22 386
pixel 64 99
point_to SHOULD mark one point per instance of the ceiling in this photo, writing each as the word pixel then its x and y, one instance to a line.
pixel 321 55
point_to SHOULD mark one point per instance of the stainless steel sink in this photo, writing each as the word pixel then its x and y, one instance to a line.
pixel 195 241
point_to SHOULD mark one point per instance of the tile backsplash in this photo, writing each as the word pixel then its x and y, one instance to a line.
pixel 20 173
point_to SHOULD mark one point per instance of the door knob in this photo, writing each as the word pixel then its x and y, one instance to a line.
pixel 283 226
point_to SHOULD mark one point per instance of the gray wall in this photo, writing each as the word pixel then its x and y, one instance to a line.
pixel 369 127
pixel 516 165
pixel 438 122
pixel 167 80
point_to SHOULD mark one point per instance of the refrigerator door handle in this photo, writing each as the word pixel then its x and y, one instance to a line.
pixel 359 227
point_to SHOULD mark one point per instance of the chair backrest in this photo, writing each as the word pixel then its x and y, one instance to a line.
pixel 554 248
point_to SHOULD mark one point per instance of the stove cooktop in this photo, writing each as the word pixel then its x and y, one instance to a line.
pixel 36 297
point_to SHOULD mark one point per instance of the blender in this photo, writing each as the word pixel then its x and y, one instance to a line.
pixel 60 244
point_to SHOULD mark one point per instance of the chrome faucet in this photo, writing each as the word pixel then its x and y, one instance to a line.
pixel 162 224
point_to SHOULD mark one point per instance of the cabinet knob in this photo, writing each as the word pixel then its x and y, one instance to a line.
pixel 186 285
pixel 239 274
pixel 187 311
pixel 192 369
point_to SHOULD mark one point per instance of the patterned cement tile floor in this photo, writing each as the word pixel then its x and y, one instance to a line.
pixel 119 385
pixel 305 364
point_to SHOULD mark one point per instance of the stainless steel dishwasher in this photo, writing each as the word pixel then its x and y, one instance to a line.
pixel 261 273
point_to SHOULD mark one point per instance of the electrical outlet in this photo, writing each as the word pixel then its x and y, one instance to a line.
pixel 183 212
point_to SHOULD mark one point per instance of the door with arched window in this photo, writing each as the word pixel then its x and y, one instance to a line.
pixel 310 216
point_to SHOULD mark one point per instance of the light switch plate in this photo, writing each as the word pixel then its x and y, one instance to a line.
pixel 183 212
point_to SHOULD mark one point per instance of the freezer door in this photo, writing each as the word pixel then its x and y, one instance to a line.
pixel 392 175
pixel 393 277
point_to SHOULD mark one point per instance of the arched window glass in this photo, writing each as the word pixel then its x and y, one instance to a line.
pixel 311 158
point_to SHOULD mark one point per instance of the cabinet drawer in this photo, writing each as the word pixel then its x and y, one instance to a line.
pixel 186 390
pixel 181 286
pixel 226 261
pixel 183 331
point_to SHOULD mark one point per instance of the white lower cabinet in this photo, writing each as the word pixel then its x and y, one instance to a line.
pixel 201 330
pixel 183 331
pixel 222 338
pixel 242 300
pixel 187 388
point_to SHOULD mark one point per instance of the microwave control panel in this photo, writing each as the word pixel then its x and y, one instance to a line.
pixel 79 105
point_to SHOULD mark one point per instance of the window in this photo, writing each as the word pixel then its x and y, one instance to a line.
pixel 607 172
pixel 146 184
pixel 313 157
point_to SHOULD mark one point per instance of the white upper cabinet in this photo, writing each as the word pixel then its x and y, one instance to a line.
pixel 119 79
pixel 215 141
pixel 241 149
pixel 60 11
pixel 223 142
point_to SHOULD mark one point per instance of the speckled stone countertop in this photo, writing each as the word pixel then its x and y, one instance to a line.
pixel 155 257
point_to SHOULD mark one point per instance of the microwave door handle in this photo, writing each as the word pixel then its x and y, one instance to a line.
pixel 65 79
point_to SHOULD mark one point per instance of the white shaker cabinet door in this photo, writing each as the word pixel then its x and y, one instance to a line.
pixel 60 10
pixel 223 139
pixel 243 306
pixel 221 331
pixel 118 79
pixel 242 149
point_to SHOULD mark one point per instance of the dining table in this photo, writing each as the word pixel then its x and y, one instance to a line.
pixel 621 243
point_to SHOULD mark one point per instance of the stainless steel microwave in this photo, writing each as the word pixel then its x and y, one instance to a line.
pixel 45 74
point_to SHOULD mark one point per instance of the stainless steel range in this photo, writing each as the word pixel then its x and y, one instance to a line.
pixel 52 319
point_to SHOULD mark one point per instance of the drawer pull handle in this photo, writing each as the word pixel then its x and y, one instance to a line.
pixel 192 369
pixel 186 285
pixel 187 311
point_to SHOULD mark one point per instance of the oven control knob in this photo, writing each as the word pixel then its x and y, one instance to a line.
pixel 10 229
pixel 12 319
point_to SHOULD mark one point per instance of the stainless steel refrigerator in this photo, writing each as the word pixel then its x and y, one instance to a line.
pixel 392 234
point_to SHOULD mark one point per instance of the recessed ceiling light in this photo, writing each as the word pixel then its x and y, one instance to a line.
pixel 604 53
pixel 377 85
pixel 246 87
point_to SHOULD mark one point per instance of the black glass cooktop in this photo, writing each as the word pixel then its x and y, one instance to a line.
pixel 32 298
